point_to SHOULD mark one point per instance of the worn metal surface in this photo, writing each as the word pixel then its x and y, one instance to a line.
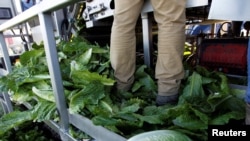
pixel 235 10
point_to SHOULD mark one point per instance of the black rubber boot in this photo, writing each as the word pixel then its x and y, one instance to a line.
pixel 163 100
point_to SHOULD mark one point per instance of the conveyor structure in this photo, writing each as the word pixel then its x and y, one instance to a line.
pixel 43 11
pixel 97 11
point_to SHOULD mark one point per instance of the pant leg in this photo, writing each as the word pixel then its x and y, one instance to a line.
pixel 171 19
pixel 123 41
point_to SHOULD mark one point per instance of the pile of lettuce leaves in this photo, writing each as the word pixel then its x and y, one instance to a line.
pixel 89 88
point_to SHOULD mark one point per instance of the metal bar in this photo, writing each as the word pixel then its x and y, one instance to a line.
pixel 9 36
pixel 99 133
pixel 59 17
pixel 3 104
pixel 55 127
pixel 7 64
pixel 46 22
pixel 3 72
pixel 5 53
pixel 51 124
pixel 8 102
pixel 14 7
pixel 147 39
pixel 235 86
pixel 44 6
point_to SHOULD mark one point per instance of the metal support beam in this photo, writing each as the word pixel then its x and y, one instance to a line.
pixel 55 127
pixel 6 103
pixel 147 39
pixel 5 53
pixel 99 133
pixel 46 23
pixel 7 64
pixel 4 107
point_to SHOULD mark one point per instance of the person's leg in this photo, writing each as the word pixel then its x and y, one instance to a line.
pixel 123 41
pixel 171 19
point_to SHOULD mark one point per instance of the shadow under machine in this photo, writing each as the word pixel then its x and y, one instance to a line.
pixel 223 49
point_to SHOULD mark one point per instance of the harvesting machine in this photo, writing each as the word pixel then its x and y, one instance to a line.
pixel 220 41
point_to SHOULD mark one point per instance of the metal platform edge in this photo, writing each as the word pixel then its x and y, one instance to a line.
pixel 99 133
pixel 42 7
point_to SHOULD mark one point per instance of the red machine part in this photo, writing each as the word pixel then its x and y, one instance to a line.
pixel 225 55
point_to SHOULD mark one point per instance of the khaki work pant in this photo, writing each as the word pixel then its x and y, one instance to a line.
pixel 170 16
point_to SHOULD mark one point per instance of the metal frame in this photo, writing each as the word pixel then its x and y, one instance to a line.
pixel 5 99
pixel 99 133
pixel 43 10
pixel 147 39
pixel 147 30
pixel 54 68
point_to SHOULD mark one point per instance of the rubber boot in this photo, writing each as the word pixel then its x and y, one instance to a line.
pixel 247 114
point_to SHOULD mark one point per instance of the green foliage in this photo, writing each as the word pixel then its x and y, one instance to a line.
pixel 90 95
pixel 205 97
pixel 15 118
pixel 28 131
